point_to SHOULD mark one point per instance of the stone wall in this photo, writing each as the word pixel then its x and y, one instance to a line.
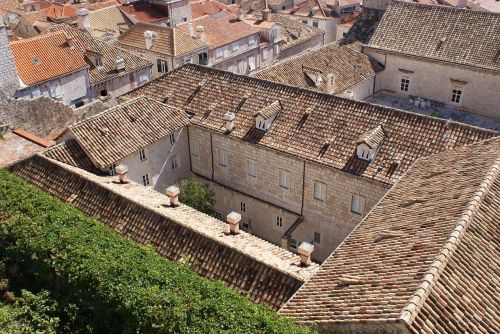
pixel 9 81
pixel 308 45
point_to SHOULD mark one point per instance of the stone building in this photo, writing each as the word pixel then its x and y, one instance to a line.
pixel 9 81
pixel 167 48
pixel 335 68
pixel 147 136
pixel 422 261
pixel 298 165
pixel 424 57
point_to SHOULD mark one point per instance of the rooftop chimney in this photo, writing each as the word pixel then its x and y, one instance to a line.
pixel 330 83
pixel 149 37
pixel 229 118
pixel 201 33
pixel 266 14
pixel 233 219
pixel 120 64
pixel 173 195
pixel 191 29
pixel 122 171
pixel 305 250
pixel 83 18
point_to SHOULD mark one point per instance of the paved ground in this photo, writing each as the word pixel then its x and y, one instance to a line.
pixel 14 148
pixel 437 110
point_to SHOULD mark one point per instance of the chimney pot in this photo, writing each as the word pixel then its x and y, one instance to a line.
pixel 120 64
pixel 229 118
pixel 122 171
pixel 201 33
pixel 233 219
pixel 305 250
pixel 266 14
pixel 83 18
pixel 173 194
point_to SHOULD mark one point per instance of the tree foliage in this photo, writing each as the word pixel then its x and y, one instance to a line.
pixel 114 284
pixel 197 195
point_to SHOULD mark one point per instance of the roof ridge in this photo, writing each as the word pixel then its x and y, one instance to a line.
pixel 442 8
pixel 46 35
pixel 419 297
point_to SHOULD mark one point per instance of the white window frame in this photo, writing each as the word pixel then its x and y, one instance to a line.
pixel 279 221
pixel 236 47
pixel 457 93
pixel 317 238
pixel 251 168
pixel 142 155
pixel 195 148
pixel 293 244
pixel 243 207
pixel 284 179
pixel 319 191
pixel 358 204
pixel 112 171
pixel 405 83
pixel 145 180
pixel 251 40
pixel 222 157
pixel 174 162
pixel 219 53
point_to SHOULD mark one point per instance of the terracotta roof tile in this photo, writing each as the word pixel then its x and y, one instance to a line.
pixel 169 41
pixel 441 33
pixel 122 130
pixel 365 25
pixel 45 57
pixel 58 12
pixel 33 138
pixel 143 12
pixel 349 67
pixel 265 272
pixel 295 32
pixel 422 257
pixel 71 154
pixel 307 120
pixel 209 7
pixel 372 137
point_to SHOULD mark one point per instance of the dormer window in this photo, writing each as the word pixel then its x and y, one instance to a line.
pixel 98 61
pixel 313 74
pixel 369 143
pixel 265 117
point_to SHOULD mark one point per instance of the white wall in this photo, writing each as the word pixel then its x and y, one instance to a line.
pixel 122 84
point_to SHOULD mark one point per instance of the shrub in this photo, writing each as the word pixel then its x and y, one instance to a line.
pixel 119 285
pixel 197 195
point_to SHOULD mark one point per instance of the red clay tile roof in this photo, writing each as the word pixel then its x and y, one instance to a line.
pixel 209 7
pixel 71 153
pixel 143 13
pixel 441 33
pixel 425 258
pixel 60 12
pixel 10 5
pixel 266 273
pixel 308 120
pixel 122 130
pixel 45 57
pixel 31 137
pixel 221 29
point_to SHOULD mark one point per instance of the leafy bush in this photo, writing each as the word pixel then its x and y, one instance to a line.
pixel 197 195
pixel 120 286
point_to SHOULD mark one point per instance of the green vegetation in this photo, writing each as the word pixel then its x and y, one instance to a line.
pixel 98 281
pixel 197 195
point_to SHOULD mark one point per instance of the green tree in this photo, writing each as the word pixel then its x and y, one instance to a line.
pixel 197 195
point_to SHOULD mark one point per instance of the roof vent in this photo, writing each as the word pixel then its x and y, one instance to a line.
pixel 36 60
pixel 103 131
pixel 369 142
pixel 201 33
pixel 346 280
pixel 305 250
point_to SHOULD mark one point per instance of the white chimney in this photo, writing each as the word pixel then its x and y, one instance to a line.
pixel 305 250
pixel 266 14
pixel 229 118
pixel 462 3
pixel 330 83
pixel 122 171
pixel 233 219
pixel 191 29
pixel 83 18
pixel 173 194
pixel 120 64
pixel 149 37
pixel 201 33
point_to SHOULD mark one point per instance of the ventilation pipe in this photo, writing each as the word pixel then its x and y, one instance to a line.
pixel 173 194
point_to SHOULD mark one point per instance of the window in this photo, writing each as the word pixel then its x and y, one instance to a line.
pixel 251 41
pixel 347 10
pixel 292 244
pixel 317 238
pixel 222 157
pixel 104 92
pixel 174 162
pixel 54 90
pixel 251 168
pixel 98 61
pixel 243 207
pixel 405 83
pixel 203 58
pixel 251 63
pixel 171 138
pixel 184 19
pixel 161 66
pixel 319 191
pixel 195 148
pixel 142 155
pixel 112 170
pixel 456 94
pixel 315 24
pixel 79 104
pixel 284 179
pixel 236 47
pixel 304 21
pixel 218 215
pixel 219 53
pixel 188 60
pixel 358 204
pixel 245 227
pixel 145 180
pixel 279 221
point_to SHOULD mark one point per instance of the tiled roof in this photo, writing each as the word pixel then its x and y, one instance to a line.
pixel 122 130
pixel 169 41
pixel 265 272
pixel 349 66
pixel 365 25
pixel 311 8
pixel 85 42
pixel 15 148
pixel 270 110
pixel 71 153
pixel 143 12
pixel 488 5
pixel 307 120
pixel 10 5
pixel 221 29
pixel 58 12
pixel 108 19
pixel 425 257
pixel 372 137
pixel 441 33
pixel 45 57
pixel 209 7
pixel 295 32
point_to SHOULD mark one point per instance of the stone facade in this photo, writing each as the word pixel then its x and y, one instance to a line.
pixel 309 45
pixel 179 12
pixel 119 85
pixel 9 80
pixel 435 80
pixel 271 209
pixel 236 57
